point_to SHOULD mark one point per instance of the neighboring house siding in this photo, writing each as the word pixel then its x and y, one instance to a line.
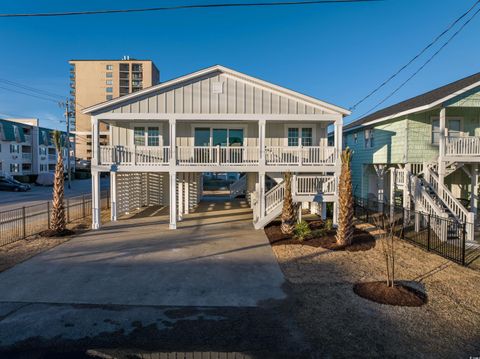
pixel 388 148
pixel 236 97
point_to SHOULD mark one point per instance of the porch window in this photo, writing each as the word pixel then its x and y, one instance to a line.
pixel 235 137
pixel 220 137
pixel 202 137
pixel 307 138
pixel 369 139
pixel 300 136
pixel 153 136
pixel 454 126
pixel 139 136
pixel 14 148
pixel 293 140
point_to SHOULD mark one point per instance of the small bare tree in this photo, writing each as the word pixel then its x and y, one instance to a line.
pixel 289 217
pixel 387 235
pixel 58 221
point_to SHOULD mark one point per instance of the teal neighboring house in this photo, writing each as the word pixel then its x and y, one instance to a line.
pixel 434 136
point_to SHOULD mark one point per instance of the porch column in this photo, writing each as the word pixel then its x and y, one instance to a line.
pixel 187 188
pixel 474 189
pixel 393 188
pixel 324 210
pixel 441 146
pixel 180 195
pixel 380 169
pixel 113 196
pixel 261 141
pixel 173 141
pixel 261 182
pixel 173 200
pixel 96 207
pixel 95 140
pixel 407 186
pixel 338 144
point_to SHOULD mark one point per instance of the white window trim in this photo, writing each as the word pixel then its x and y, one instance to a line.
pixel 219 126
pixel 448 118
pixel 315 140
pixel 145 129
pixel 371 130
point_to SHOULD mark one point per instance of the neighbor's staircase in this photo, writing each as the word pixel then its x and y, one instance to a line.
pixel 434 198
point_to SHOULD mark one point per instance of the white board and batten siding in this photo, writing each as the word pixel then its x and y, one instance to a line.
pixel 219 93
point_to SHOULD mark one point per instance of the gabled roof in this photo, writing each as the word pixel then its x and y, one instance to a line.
pixel 207 71
pixel 419 103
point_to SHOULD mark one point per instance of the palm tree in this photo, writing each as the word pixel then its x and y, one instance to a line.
pixel 289 217
pixel 58 220
pixel 345 201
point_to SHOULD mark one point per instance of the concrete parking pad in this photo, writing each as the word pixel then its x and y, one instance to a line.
pixel 215 258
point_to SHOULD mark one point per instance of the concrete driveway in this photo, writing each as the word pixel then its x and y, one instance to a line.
pixel 215 258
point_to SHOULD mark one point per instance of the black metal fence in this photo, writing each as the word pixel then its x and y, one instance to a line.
pixel 441 235
pixel 23 222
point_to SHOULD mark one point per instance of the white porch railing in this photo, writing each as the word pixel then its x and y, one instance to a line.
pixel 301 156
pixel 209 155
pixel 217 155
pixel 463 146
pixel 139 155
pixel 312 185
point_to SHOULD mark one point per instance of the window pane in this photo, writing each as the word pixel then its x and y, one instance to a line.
pixel 235 137
pixel 219 137
pixel 202 137
pixel 293 136
pixel 307 139
pixel 139 136
pixel 153 136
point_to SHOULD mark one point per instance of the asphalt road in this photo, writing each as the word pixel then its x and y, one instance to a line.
pixel 39 194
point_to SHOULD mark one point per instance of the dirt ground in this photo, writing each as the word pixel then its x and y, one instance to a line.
pixel 338 323
pixel 19 251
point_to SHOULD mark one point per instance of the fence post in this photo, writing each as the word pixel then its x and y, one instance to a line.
pixel 24 223
pixel 83 207
pixel 68 210
pixel 463 243
pixel 429 229
pixel 48 214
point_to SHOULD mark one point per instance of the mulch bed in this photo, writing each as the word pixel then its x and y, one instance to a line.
pixel 398 295
pixel 362 241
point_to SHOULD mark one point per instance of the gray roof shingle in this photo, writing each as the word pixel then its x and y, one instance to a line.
pixel 418 101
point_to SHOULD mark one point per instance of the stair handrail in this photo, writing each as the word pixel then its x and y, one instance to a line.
pixel 274 197
pixel 458 210
pixel 239 186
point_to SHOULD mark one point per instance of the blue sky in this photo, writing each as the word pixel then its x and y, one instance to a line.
pixel 337 53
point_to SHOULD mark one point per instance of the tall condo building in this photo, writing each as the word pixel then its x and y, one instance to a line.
pixel 95 81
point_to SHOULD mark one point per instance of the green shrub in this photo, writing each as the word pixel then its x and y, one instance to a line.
pixel 328 224
pixel 302 231
pixel 318 233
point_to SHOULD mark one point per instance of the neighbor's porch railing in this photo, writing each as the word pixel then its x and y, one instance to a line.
pixel 463 146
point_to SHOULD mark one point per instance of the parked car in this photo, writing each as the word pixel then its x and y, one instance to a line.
pixel 10 184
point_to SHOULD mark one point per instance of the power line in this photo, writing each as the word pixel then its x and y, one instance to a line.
pixel 33 89
pixel 29 94
pixel 186 7
pixel 415 57
pixel 424 64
